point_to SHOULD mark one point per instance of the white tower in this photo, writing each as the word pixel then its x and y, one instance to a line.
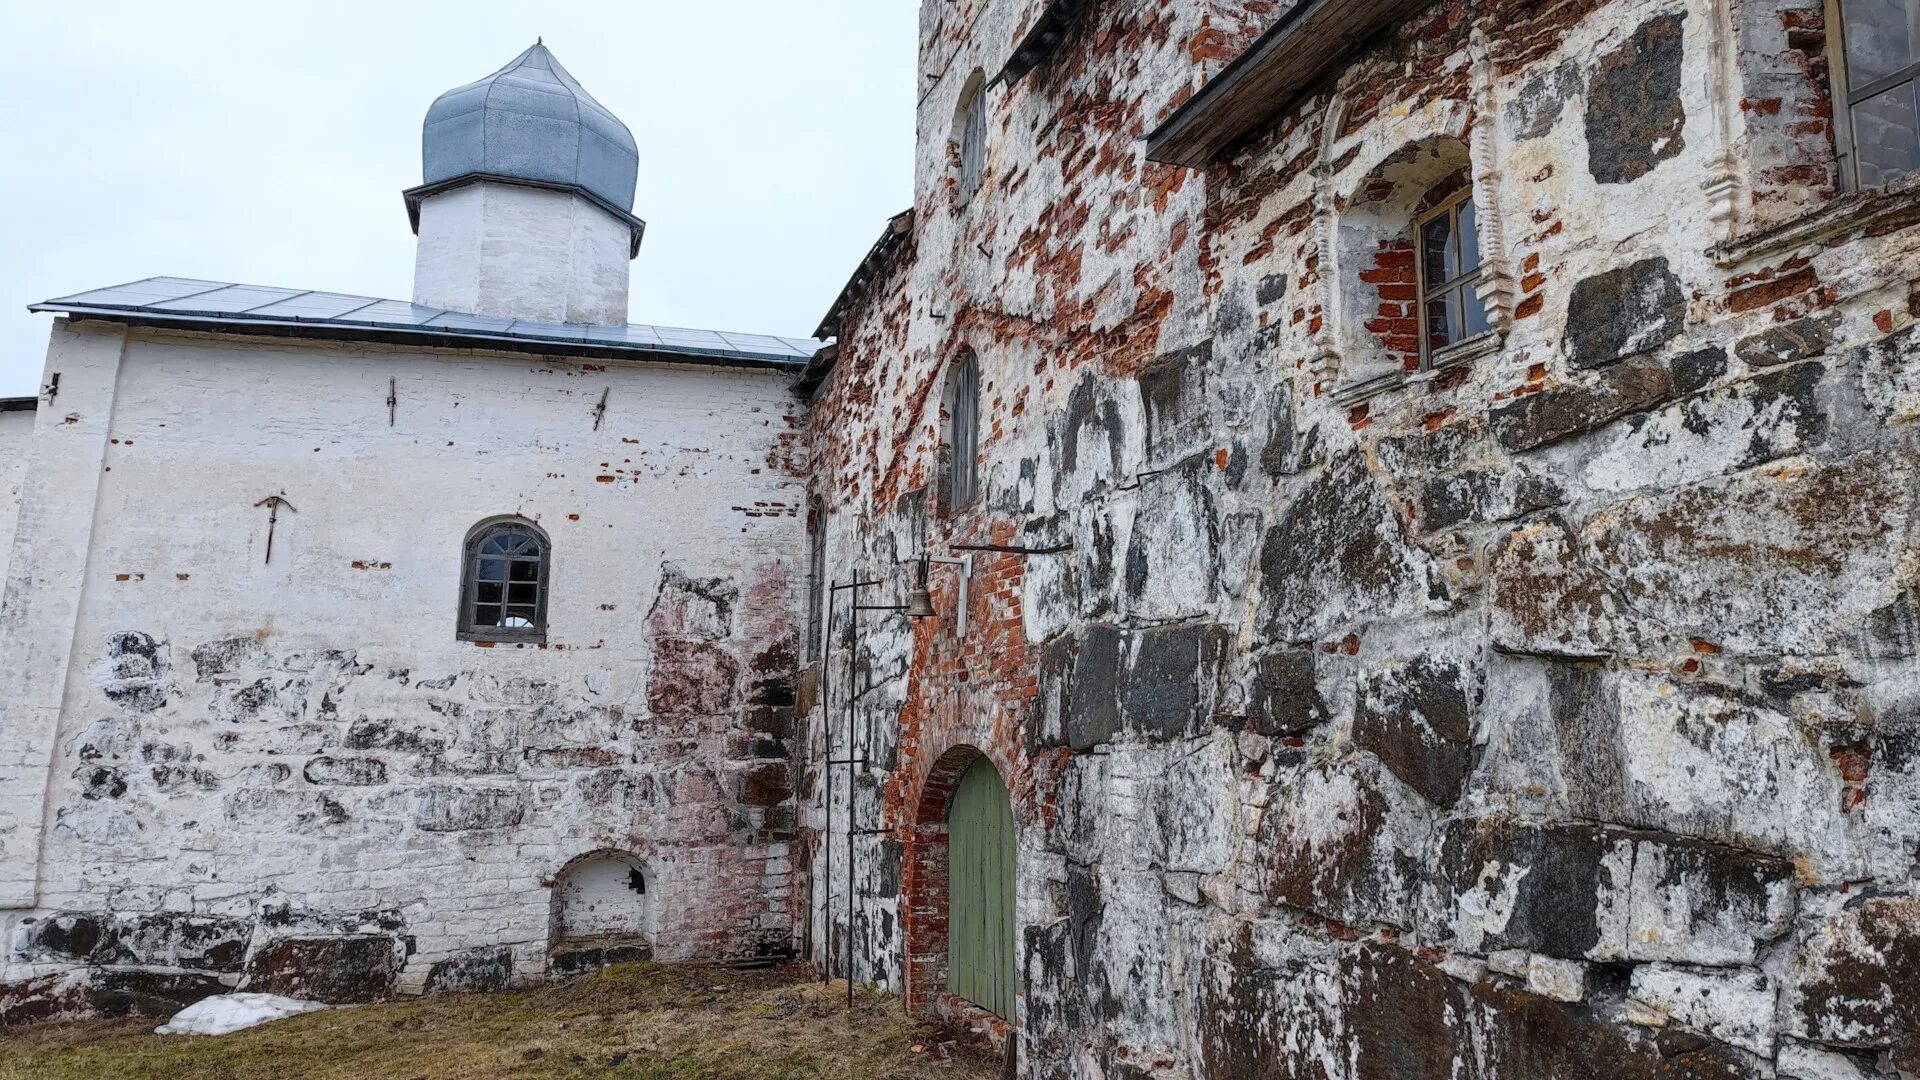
pixel 526 205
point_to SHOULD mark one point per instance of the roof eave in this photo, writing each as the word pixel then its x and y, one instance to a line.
pixel 430 337
pixel 1049 29
pixel 897 229
pixel 415 195
pixel 1294 55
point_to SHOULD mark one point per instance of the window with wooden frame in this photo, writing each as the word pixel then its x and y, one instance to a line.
pixel 1448 260
pixel 504 580
pixel 962 449
pixel 1874 52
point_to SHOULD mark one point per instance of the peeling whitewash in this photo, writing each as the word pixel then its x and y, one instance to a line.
pixel 1550 716
pixel 264 769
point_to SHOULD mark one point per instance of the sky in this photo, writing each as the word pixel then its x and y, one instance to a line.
pixel 268 143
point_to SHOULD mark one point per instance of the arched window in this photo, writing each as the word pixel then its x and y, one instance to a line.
pixel 962 449
pixel 973 136
pixel 503 590
pixel 1449 268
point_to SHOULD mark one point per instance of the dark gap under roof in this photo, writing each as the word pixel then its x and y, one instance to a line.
pixel 1309 41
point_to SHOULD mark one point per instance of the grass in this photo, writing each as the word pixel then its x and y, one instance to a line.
pixel 631 1022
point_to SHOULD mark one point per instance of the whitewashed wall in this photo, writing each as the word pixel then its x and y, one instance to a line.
pixel 15 428
pixel 528 253
pixel 301 748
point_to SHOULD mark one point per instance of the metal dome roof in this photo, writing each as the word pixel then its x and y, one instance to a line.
pixel 530 121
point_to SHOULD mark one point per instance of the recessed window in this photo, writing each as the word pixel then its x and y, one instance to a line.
pixel 962 450
pixel 973 136
pixel 816 575
pixel 1876 63
pixel 503 594
pixel 1448 257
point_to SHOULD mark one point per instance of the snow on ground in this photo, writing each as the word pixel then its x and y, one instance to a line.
pixel 228 1013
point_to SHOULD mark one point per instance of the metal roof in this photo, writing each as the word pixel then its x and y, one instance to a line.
pixel 1307 42
pixel 530 120
pixel 192 304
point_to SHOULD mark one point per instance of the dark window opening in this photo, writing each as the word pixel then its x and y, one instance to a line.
pixel 504 584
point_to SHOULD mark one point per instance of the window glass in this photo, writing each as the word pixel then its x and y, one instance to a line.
pixel 1885 129
pixel 1468 237
pixel 1449 258
pixel 1878 132
pixel 1436 241
pixel 1474 312
pixel 1880 38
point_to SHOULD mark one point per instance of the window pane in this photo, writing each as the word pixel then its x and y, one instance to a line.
pixel 1469 239
pixel 1880 38
pixel 522 594
pixel 492 570
pixel 518 617
pixel 486 615
pixel 1475 312
pixel 1438 262
pixel 495 544
pixel 525 570
pixel 1442 317
pixel 488 592
pixel 1887 143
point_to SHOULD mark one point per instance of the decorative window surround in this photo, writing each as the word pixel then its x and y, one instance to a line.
pixel 1464 353
pixel 1855 211
pixel 1495 288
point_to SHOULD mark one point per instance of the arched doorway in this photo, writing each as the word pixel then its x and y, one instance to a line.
pixel 980 893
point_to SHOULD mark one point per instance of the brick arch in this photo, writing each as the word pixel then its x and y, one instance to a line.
pixel 924 875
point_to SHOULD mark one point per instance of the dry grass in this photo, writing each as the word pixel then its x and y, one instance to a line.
pixel 629 1022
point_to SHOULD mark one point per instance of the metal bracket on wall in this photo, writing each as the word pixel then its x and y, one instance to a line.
pixel 273 503
pixel 965 563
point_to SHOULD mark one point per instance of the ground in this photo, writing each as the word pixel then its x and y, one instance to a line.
pixel 630 1021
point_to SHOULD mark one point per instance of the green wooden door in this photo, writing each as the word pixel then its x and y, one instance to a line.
pixel 980 845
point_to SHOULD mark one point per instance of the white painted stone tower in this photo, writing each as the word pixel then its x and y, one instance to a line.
pixel 525 209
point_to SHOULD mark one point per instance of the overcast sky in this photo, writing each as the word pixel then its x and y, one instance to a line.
pixel 268 143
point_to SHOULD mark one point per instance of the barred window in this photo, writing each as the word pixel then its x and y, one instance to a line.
pixel 1449 268
pixel 1876 60
pixel 503 595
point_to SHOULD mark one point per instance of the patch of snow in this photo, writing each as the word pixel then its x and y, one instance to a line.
pixel 228 1013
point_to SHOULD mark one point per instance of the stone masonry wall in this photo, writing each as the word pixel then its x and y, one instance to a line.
pixel 1552 715
pixel 290 774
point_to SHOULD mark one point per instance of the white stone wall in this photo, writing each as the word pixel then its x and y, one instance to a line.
pixel 301 747
pixel 528 253
pixel 15 428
